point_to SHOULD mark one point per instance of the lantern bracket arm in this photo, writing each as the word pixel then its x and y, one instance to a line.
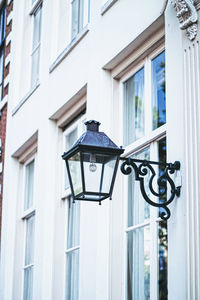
pixel 145 174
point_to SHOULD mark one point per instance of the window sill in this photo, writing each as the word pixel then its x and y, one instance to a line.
pixel 107 6
pixel 3 102
pixel 35 6
pixel 28 213
pixel 25 98
pixel 69 48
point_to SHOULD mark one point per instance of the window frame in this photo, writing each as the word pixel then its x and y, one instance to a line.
pixel 34 8
pixel 26 214
pixel 85 17
pixel 79 124
pixel 71 249
pixel 150 139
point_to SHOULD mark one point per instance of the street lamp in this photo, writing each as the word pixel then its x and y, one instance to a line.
pixel 92 165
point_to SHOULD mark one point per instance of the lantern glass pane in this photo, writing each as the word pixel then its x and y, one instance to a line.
pixel 75 172
pixel 108 174
pixel 98 171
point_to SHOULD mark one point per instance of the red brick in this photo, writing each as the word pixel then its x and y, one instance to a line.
pixel 9 28
pixel 9 8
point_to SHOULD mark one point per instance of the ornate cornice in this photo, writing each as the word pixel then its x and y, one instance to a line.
pixel 187 15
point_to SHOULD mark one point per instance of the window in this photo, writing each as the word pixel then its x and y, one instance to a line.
pixel 72 250
pixel 70 135
pixel 29 220
pixel 144 130
pixel 2 40
pixel 79 16
pixel 35 55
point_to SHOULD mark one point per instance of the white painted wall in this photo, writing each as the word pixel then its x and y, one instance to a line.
pixel 101 275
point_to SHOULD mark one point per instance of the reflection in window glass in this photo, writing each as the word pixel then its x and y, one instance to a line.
pixel 138 209
pixel 134 107
pixel 36 46
pixel 138 264
pixel 162 234
pixel 73 251
pixel 70 140
pixel 28 202
pixel 158 91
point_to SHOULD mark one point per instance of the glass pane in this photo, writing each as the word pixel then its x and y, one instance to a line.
pixel 75 171
pixel 158 91
pixel 162 234
pixel 29 251
pixel 162 158
pixel 28 283
pixel 37 27
pixel 134 107
pixel 162 260
pixel 70 140
pixel 35 67
pixel 72 275
pixel 138 208
pixel 2 24
pixel 138 264
pixel 73 228
pixel 108 175
pixel 75 18
pixel 98 171
pixel 29 182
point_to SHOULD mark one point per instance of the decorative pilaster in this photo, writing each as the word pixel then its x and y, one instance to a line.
pixel 187 15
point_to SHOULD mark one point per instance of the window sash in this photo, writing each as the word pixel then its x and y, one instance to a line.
pixel 149 133
pixel 35 54
pixel 29 185
pixel 28 268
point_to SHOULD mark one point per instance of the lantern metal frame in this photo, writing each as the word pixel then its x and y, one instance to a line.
pixel 95 142
pixel 141 168
pixel 100 150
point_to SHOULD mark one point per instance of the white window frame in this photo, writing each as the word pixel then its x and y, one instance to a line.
pixel 79 124
pixel 151 139
pixel 86 18
pixel 25 215
pixel 33 9
pixel 72 249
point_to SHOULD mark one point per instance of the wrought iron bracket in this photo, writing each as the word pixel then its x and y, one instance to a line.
pixel 143 168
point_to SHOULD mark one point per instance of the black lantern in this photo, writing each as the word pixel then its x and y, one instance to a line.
pixel 92 165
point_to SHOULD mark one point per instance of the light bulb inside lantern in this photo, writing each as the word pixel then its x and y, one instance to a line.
pixel 92 166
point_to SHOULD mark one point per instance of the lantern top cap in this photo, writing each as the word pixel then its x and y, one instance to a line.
pixel 93 125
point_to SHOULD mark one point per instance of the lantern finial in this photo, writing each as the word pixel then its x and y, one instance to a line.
pixel 92 125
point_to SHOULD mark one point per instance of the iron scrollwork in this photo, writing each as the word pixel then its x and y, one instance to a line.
pixel 142 168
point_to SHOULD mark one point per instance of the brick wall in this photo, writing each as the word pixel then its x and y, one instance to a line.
pixel 3 111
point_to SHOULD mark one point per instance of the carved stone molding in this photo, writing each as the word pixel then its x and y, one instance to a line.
pixel 187 15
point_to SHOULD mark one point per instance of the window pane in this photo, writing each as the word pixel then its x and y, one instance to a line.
pixel 138 208
pixel 138 264
pixel 75 18
pixel 73 229
pixel 162 235
pixel 162 260
pixel 29 182
pixel 29 251
pixel 75 172
pixel 2 24
pixel 28 284
pixel 158 91
pixel 134 107
pixel 70 140
pixel 35 67
pixel 72 275
pixel 37 27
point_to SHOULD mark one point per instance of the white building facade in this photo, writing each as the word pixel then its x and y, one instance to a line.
pixel 133 66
